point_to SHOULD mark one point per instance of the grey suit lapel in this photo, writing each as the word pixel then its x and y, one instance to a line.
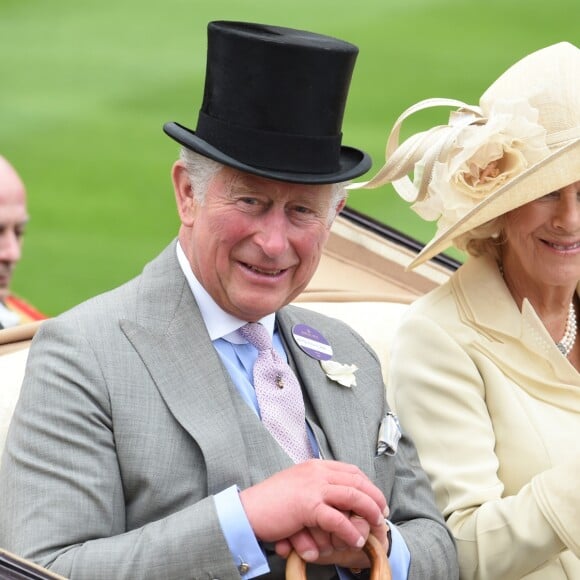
pixel 171 338
pixel 335 406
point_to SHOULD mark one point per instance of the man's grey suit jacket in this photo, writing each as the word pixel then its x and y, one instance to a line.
pixel 128 423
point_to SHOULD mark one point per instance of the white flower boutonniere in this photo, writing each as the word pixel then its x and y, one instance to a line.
pixel 342 374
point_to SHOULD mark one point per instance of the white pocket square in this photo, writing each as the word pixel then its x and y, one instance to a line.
pixel 389 435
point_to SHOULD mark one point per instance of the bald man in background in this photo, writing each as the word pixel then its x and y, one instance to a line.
pixel 13 220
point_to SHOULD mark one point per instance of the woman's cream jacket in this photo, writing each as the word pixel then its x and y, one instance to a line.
pixel 494 409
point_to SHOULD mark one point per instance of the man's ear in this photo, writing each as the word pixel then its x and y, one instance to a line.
pixel 183 193
pixel 339 207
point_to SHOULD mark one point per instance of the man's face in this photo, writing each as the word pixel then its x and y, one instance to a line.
pixel 13 218
pixel 255 243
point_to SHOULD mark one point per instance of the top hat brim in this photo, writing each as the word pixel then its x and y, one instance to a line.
pixel 351 163
pixel 555 171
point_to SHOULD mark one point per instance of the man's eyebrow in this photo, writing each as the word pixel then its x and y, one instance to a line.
pixel 17 224
pixel 241 187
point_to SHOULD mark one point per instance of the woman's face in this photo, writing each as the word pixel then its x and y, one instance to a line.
pixel 543 240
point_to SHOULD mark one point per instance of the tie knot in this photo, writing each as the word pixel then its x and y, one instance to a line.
pixel 256 334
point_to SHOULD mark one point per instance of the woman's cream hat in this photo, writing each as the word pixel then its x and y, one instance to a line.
pixel 522 142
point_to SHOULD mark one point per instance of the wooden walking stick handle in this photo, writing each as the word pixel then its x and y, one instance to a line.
pixel 380 568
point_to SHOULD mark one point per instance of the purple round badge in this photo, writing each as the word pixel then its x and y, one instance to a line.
pixel 312 342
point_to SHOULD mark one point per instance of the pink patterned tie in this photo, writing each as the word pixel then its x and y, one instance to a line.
pixel 279 395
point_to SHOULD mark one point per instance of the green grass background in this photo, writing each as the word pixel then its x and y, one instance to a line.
pixel 86 85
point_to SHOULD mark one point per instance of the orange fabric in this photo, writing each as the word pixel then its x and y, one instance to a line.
pixel 26 312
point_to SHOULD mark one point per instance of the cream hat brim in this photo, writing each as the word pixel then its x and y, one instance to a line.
pixel 530 115
pixel 558 170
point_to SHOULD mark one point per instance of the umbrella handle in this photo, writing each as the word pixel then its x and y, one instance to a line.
pixel 380 568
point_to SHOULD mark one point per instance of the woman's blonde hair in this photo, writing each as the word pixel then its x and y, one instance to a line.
pixel 485 240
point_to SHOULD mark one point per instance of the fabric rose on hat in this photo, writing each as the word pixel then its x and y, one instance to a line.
pixel 482 155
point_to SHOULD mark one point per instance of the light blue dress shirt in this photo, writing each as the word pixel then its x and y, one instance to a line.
pixel 238 356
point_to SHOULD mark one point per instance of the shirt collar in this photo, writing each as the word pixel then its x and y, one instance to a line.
pixel 7 317
pixel 219 323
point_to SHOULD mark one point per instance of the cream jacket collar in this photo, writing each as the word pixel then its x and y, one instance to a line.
pixel 485 303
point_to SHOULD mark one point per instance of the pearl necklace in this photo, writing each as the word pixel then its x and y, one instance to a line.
pixel 567 342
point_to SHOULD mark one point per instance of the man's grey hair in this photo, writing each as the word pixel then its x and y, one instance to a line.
pixel 201 170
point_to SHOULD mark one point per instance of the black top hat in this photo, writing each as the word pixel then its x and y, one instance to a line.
pixel 273 104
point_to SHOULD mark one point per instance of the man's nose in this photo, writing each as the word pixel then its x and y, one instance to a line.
pixel 272 235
